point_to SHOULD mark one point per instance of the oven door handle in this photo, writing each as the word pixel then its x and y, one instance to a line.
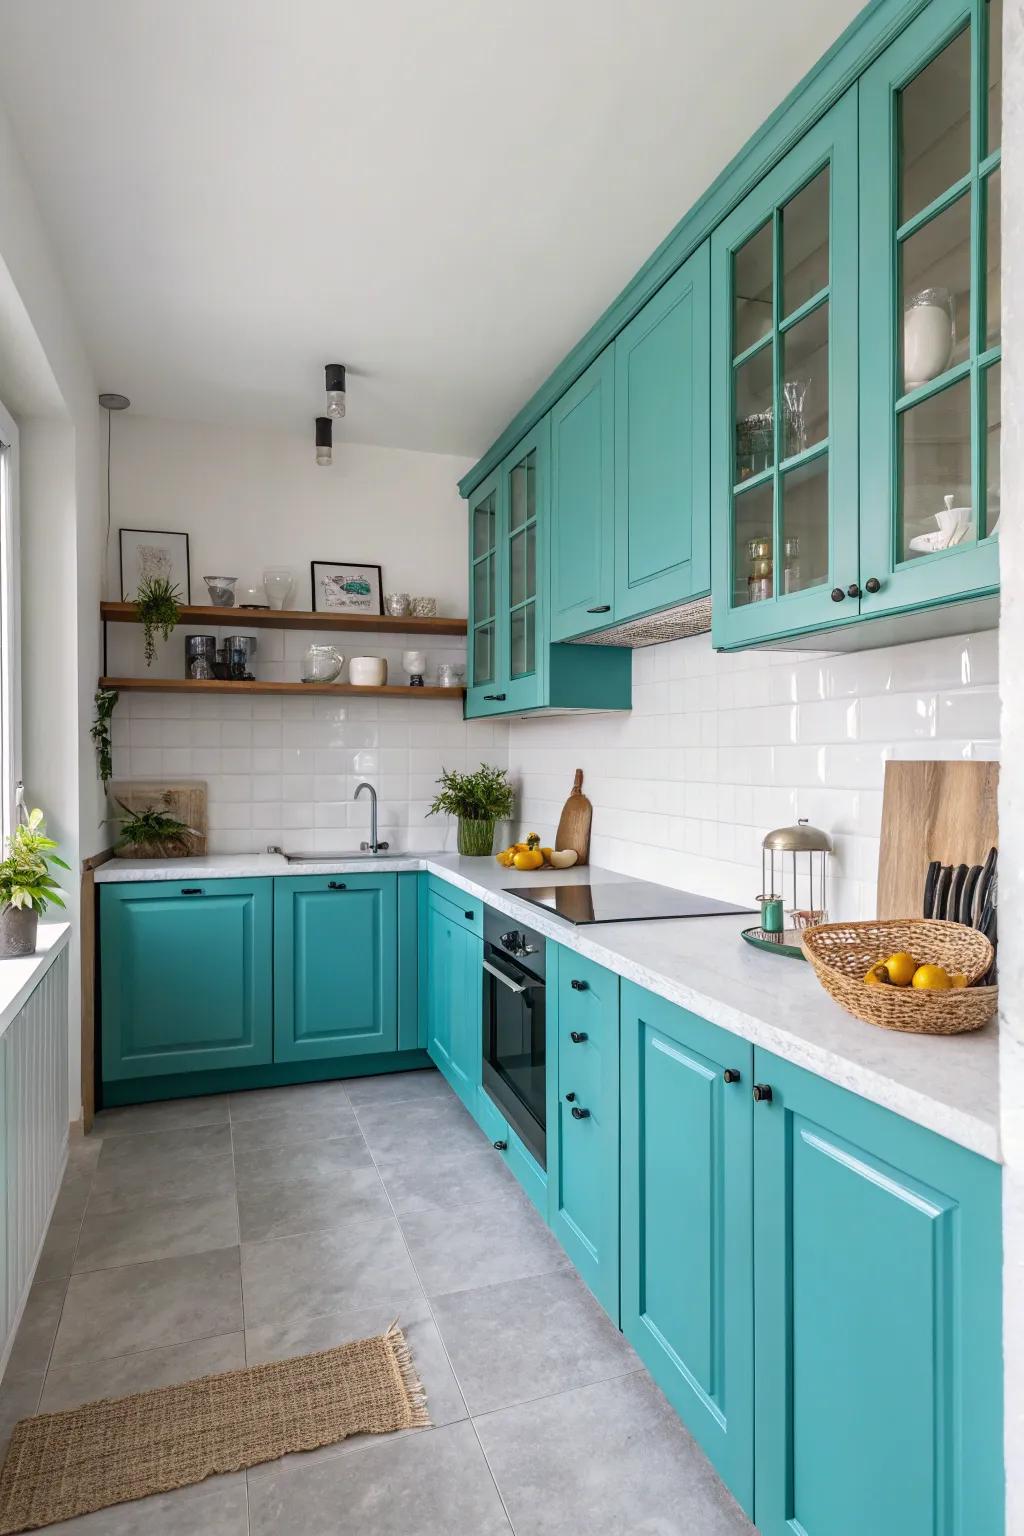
pixel 506 981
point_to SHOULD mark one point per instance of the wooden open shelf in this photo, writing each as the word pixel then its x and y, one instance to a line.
pixel 218 685
pixel 241 619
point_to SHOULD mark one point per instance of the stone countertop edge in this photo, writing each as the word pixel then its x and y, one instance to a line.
pixel 949 1085
pixel 19 977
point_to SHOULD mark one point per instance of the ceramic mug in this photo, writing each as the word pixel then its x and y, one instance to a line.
pixel 368 671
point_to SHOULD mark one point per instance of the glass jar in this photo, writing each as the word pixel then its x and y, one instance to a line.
pixel 321 664
pixel 759 579
pixel 929 336
pixel 791 565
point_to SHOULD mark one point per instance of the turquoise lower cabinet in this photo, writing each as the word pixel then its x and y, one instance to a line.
pixel 583 1130
pixel 185 976
pixel 687 1265
pixel 877 1320
pixel 335 966
pixel 453 995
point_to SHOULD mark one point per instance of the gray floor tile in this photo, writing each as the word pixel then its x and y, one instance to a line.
pixel 278 1101
pixel 37 1329
pixel 448 1182
pixel 217 1507
pixel 561 1339
pixel 111 1312
pixel 152 1151
pixel 399 1088
pixel 606 1459
pixel 302 1277
pixel 163 1229
pixel 282 1210
pixel 433 1484
pixel 69 1386
pixel 402 1132
pixel 293 1125
pixel 73 1197
pixel 480 1245
pixel 120 1188
pixel 301 1162
pixel 58 1250
pixel 168 1115
pixel 83 1153
pixel 19 1399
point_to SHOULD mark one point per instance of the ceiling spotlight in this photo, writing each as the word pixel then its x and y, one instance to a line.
pixel 324 439
pixel 114 402
pixel 335 374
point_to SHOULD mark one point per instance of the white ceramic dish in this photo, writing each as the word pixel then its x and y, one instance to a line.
pixel 368 671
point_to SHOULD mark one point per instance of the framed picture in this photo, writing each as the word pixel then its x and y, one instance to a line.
pixel 147 553
pixel 346 588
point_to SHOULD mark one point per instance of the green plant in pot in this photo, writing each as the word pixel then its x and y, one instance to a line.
pixel 478 800
pixel 26 886
pixel 159 603
pixel 151 834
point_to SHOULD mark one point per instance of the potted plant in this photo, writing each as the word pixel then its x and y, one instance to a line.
pixel 159 604
pixel 151 834
pixel 478 800
pixel 26 886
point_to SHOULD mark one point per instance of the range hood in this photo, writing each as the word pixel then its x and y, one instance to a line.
pixel 679 623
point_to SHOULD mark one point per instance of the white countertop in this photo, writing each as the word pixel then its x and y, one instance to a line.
pixel 948 1084
pixel 19 977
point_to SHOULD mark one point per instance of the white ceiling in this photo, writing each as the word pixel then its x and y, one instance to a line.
pixel 443 196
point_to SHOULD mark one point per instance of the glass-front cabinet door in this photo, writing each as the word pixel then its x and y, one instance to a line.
pixel 483 664
pixel 931 108
pixel 784 387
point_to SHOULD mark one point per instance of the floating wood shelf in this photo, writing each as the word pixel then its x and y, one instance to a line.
pixel 219 685
pixel 241 619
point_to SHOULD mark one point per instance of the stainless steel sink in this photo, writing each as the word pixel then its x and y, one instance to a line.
pixel 332 858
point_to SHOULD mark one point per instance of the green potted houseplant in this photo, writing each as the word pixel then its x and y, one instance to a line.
pixel 26 886
pixel 159 604
pixel 151 834
pixel 478 800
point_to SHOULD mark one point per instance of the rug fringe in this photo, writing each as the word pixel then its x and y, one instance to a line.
pixel 420 1413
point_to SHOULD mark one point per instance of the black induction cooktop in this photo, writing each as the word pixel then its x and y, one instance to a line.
pixel 625 901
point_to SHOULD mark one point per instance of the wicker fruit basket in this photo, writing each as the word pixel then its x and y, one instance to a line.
pixel 841 953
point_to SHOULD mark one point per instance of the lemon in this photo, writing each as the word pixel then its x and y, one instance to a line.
pixel 901 968
pixel 877 976
pixel 932 978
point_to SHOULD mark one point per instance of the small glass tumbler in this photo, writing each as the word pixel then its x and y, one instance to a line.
pixel 424 607
pixel 397 604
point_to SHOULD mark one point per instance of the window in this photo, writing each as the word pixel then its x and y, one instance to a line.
pixel 10 660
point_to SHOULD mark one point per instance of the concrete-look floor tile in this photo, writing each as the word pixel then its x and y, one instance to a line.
pixel 433 1484
pixel 19 1399
pixel 165 1115
pixel 561 1339
pixel 301 1161
pixel 397 1132
pixel 122 1188
pixel 152 1151
pixel 163 1229
pixel 73 1197
pixel 283 1210
pixel 112 1312
pixel 83 1153
pixel 448 1182
pixel 302 1277
pixel 293 1125
pixel 37 1329
pixel 278 1101
pixel 218 1507
pixel 58 1253
pixel 69 1386
pixel 606 1459
pixel 425 1085
pixel 480 1245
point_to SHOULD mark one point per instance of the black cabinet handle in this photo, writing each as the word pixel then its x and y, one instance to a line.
pixel 872 584
pixel 495 698
pixel 501 1146
pixel 730 1075
pixel 191 890
pixel 853 590
pixel 569 1098
pixel 577 1036
pixel 580 1114
pixel 838 594
pixel 601 608
pixel 762 1093
pixel 336 885
pixel 579 986
pixel 469 916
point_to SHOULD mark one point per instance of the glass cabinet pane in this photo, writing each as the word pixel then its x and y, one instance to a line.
pixel 523 641
pixel 804 526
pixel 523 566
pixel 483 589
pixel 935 272
pixel 752 557
pixel 755 419
pixel 483 654
pixel 805 244
pixel 483 526
pixel 935 472
pixel 993 275
pixel 752 290
pixel 517 496
pixel 935 127
pixel 993 446
pixel 805 382
pixel 995 76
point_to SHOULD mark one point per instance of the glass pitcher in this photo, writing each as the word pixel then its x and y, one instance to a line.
pixel 321 664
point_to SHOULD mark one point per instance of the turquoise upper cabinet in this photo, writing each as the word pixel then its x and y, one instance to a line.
pixel 583 502
pixel 930 309
pixel 185 975
pixel 484 664
pixel 687 1265
pixel 662 510
pixel 454 1002
pixel 335 966
pixel 784 387
pixel 877 1317
pixel 583 1153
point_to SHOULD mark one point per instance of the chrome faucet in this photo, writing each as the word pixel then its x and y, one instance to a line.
pixel 373 846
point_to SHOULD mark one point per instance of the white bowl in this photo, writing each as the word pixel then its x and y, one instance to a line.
pixel 368 671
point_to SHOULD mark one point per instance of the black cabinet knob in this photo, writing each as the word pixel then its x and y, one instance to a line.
pixel 577 1036
pixel 838 594
pixel 762 1093
pixel 730 1075
pixel 495 698
pixel 336 885
pixel 580 1114
pixel 569 1098
pixel 469 916
pixel 578 986
pixel 872 584
pixel 853 590
pixel 601 608
pixel 501 1146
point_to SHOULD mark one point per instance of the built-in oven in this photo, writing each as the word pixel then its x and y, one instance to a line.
pixel 514 1023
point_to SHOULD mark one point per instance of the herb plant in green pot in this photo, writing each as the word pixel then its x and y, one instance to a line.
pixel 26 886
pixel 478 800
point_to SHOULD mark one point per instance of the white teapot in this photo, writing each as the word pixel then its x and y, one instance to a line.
pixel 321 664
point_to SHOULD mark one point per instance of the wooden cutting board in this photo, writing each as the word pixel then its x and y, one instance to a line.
pixel 186 801
pixel 574 822
pixel 944 811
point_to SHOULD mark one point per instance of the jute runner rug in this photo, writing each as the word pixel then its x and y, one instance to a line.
pixel 64 1464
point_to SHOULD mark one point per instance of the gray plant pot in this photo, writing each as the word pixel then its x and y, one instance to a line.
pixel 18 929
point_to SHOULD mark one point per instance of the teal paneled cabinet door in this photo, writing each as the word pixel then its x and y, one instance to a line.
pixel 877 1301
pixel 454 956
pixel 583 1136
pixel 662 422
pixel 185 977
pixel 335 966
pixel 583 502
pixel 687 1265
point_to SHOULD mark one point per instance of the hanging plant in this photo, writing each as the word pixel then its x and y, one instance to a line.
pixel 104 699
pixel 159 609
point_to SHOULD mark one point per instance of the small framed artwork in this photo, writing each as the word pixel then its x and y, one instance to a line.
pixel 147 553
pixel 346 587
